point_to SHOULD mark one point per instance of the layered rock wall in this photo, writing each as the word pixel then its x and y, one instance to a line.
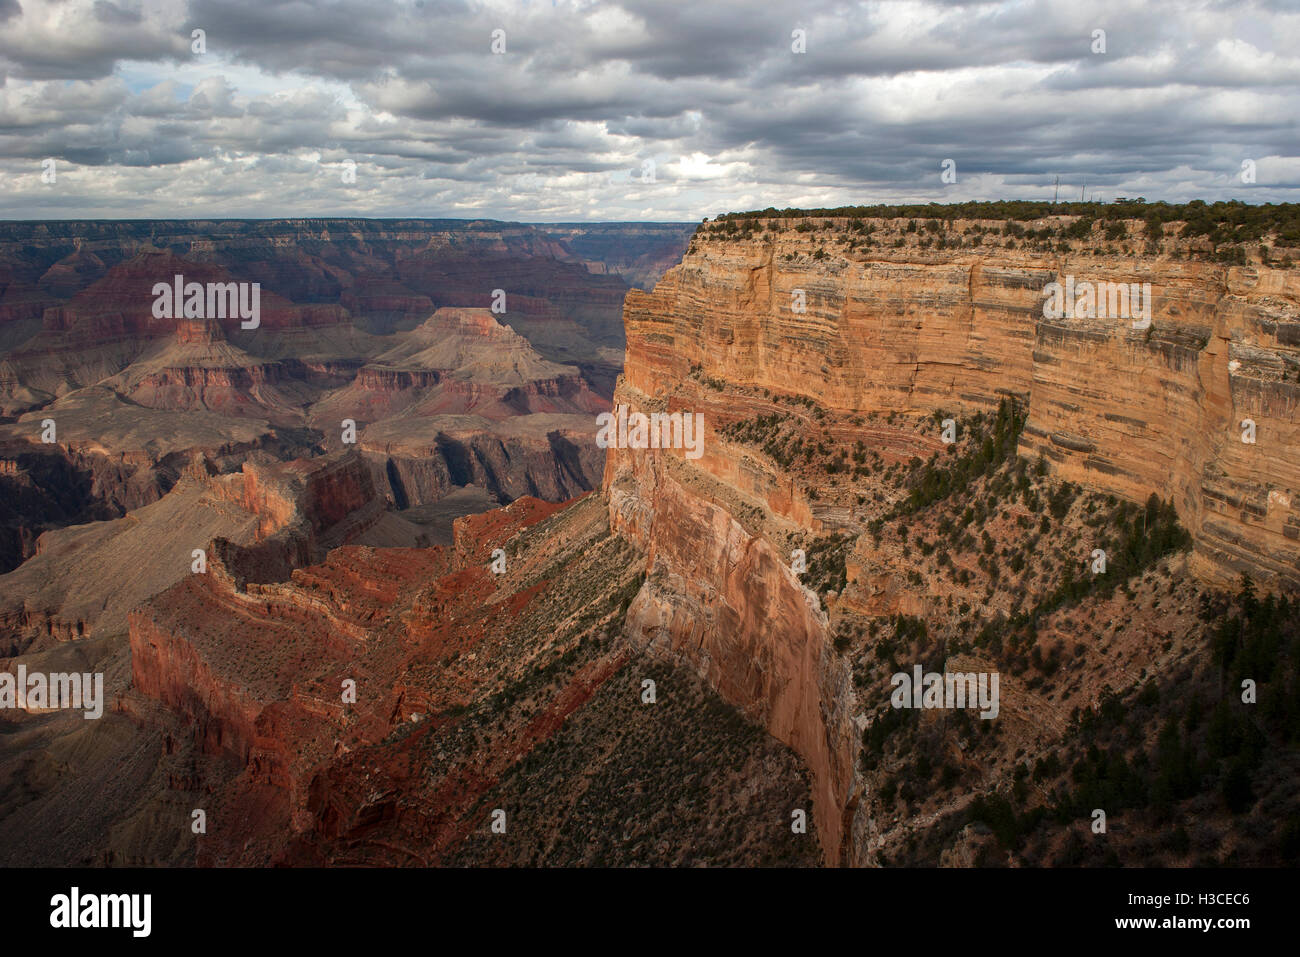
pixel 1117 408
pixel 902 329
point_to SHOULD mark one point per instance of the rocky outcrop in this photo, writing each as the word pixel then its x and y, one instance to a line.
pixel 257 524
pixel 460 362
pixel 464 400
pixel 182 652
pixel 435 646
pixel 722 601
pixel 551 457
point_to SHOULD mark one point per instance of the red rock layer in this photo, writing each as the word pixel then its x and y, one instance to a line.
pixel 258 672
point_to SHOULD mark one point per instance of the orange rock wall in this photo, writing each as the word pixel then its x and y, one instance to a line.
pixel 910 331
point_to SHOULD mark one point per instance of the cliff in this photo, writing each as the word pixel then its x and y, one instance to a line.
pixel 1115 408
pixel 804 326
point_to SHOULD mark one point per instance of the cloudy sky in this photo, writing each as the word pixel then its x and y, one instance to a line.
pixel 635 109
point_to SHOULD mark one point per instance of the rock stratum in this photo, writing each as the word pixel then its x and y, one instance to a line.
pixel 1111 407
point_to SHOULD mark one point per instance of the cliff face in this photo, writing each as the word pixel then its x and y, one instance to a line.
pixel 910 331
pixel 1115 408
pixel 724 602
pixel 1132 412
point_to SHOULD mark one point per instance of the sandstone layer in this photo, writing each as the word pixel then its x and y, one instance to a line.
pixel 1112 407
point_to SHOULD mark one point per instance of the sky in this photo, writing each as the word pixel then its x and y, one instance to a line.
pixel 574 110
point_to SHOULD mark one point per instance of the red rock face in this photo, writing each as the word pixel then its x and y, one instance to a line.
pixel 287 638
pixel 220 648
pixel 198 332
pixel 462 674
pixel 257 671
pixel 477 535
pixel 725 603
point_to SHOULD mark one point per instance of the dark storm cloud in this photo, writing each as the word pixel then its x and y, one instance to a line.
pixel 637 108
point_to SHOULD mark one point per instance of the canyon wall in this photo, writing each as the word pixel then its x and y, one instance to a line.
pixel 898 328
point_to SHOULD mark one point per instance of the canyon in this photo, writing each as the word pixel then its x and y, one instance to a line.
pixel 350 313
pixel 640 656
